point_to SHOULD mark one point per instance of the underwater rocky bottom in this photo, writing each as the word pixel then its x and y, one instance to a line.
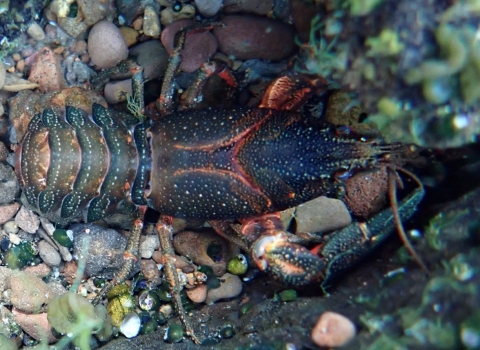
pixel 393 303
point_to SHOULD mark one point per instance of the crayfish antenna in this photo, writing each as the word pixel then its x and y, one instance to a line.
pixel 394 181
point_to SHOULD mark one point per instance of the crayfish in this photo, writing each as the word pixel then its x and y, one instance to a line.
pixel 217 165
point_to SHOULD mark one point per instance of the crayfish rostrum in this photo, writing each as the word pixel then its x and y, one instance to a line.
pixel 217 165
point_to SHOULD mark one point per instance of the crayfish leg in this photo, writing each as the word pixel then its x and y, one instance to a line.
pixel 130 255
pixel 164 230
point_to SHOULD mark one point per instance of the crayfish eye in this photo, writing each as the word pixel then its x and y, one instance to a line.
pixel 177 6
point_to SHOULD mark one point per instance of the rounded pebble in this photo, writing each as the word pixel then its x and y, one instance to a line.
pixel 209 8
pixel 247 37
pixel 333 330
pixel 198 294
pixel 258 7
pixel 29 293
pixel 49 254
pixel 152 56
pixel 230 287
pixel 36 325
pixel 199 47
pixel 10 227
pixel 35 31
pixel 106 45
pixel 8 211
pixel 322 214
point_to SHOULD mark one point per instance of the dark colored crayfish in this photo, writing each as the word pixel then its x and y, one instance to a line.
pixel 216 165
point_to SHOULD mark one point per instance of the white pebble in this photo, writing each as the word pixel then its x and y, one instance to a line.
pixel 10 227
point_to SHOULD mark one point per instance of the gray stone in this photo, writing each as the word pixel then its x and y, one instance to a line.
pixel 27 220
pixel 101 248
pixel 9 186
pixel 49 254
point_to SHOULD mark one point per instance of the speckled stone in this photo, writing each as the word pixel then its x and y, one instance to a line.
pixel 36 326
pixel 29 293
pixel 27 220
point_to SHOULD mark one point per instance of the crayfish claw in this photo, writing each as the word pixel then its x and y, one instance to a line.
pixel 292 263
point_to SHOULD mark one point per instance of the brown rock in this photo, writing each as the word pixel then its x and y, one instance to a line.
pixel 29 293
pixel 150 270
pixel 41 270
pixel 8 211
pixel 366 192
pixel 70 271
pixel 194 245
pixel 47 71
pixel 36 326
pixel 197 294
pixel 130 35
pixel 247 37
pixel 230 287
pixel 199 47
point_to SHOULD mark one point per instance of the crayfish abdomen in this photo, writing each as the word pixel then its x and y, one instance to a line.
pixel 73 165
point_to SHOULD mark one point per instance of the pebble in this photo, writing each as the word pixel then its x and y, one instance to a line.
pixel 41 270
pixel 3 149
pixel 194 245
pixel 104 253
pixel 230 287
pixel 153 57
pixel 27 220
pixel 168 16
pixel 46 71
pixel 321 215
pixel 35 31
pixel 79 47
pixel 10 227
pixel 199 47
pixel 29 293
pixel 5 274
pixel 70 271
pixel 106 45
pixel 9 186
pixel 247 37
pixel 258 7
pixel 36 325
pixel 209 8
pixel 117 91
pixel 151 22
pixel 130 35
pixel 197 294
pixel 150 270
pixel 148 246
pixel 49 254
pixel 8 211
pixel 333 330
pixel 15 239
